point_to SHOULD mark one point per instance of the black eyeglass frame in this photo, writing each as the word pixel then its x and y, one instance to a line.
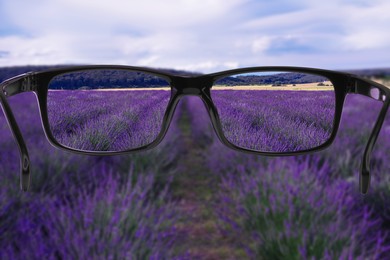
pixel 199 85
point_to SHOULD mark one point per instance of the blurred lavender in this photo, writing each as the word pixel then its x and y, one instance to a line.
pixel 295 209
pixel 201 128
pixel 115 220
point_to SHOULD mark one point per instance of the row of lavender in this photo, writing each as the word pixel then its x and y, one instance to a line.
pixel 106 120
pixel 276 121
pixel 83 206
pixel 305 207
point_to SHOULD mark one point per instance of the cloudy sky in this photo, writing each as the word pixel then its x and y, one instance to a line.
pixel 195 35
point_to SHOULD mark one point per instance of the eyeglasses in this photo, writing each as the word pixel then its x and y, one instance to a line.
pixel 273 111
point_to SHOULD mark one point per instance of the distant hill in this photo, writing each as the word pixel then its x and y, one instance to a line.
pixel 134 79
pixel 273 79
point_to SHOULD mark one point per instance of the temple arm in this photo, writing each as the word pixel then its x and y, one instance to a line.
pixel 381 93
pixel 13 86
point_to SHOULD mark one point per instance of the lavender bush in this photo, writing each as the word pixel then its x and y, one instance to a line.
pixel 109 219
pixel 296 211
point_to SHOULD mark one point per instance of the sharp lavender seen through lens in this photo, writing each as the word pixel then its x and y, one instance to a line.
pixel 275 111
pixel 106 110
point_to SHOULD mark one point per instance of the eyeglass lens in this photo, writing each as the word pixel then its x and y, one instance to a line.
pixel 106 109
pixel 275 111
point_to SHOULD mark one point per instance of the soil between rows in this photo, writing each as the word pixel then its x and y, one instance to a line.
pixel 196 188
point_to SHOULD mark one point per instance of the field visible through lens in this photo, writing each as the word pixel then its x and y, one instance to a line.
pixel 193 198
pixel 275 111
pixel 106 120
pixel 106 109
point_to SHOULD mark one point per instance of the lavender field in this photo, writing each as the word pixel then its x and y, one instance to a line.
pixel 275 120
pixel 106 120
pixel 191 197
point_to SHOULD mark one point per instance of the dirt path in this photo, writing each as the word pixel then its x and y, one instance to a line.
pixel 196 188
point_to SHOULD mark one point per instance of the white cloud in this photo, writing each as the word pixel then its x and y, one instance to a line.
pixel 208 66
pixel 261 44
pixel 368 27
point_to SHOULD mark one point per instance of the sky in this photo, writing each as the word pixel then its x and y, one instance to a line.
pixel 202 36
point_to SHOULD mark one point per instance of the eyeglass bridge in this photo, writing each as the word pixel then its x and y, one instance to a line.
pixel 191 85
